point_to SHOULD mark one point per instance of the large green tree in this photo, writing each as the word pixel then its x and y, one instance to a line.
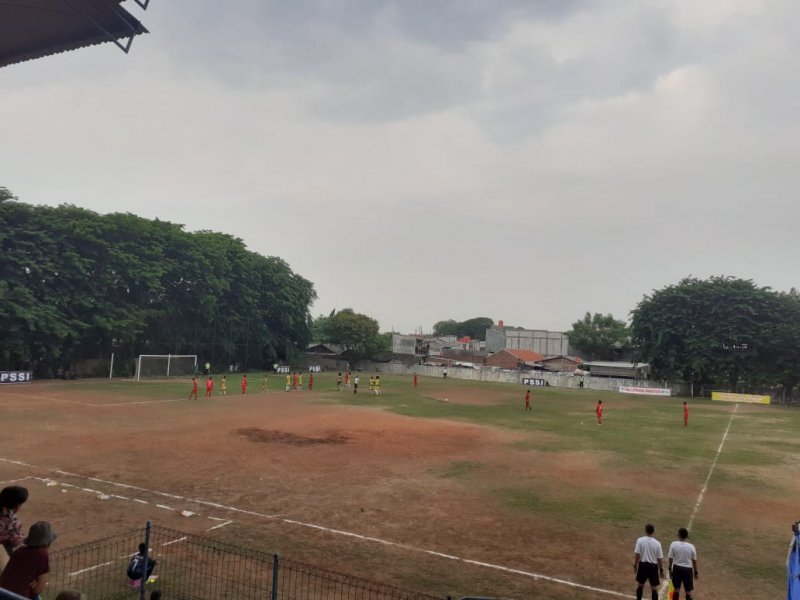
pixel 474 328
pixel 75 284
pixel 358 334
pixel 599 336
pixel 720 330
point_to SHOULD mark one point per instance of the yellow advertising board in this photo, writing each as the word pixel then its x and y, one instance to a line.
pixel 729 397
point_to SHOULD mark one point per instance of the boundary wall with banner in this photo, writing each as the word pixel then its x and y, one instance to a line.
pixel 563 380
pixel 16 377
pixel 645 391
pixel 749 398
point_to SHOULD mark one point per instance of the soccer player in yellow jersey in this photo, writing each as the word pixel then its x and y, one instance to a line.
pixel 223 386
pixel 288 382
pixel 264 384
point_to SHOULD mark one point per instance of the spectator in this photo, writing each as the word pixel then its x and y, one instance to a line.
pixel 11 500
pixel 136 571
pixel 27 569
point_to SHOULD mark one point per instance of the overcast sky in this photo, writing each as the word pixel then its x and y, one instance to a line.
pixel 420 160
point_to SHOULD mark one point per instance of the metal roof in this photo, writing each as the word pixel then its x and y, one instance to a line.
pixel 32 29
pixel 619 364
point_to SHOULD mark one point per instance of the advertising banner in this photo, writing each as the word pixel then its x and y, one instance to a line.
pixel 645 391
pixel 730 397
pixel 534 382
pixel 314 369
pixel 16 376
pixel 283 369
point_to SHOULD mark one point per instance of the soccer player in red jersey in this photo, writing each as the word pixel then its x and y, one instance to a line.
pixel 599 411
pixel 415 379
pixel 209 386
pixel 194 389
pixel 294 382
pixel 310 382
pixel 685 413
pixel 244 384
pixel 528 400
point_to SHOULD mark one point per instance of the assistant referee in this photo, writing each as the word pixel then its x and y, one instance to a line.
pixel 648 563
pixel 683 564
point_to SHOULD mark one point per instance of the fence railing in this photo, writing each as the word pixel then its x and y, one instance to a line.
pixel 192 567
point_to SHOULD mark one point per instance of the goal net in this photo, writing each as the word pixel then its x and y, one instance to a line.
pixel 165 365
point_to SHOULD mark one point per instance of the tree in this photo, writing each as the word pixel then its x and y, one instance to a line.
pixel 720 330
pixel 357 334
pixel 473 328
pixel 600 336
pixel 448 327
pixel 75 284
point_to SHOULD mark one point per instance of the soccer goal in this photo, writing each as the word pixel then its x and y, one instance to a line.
pixel 165 365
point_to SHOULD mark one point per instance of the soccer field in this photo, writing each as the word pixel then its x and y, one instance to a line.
pixel 466 496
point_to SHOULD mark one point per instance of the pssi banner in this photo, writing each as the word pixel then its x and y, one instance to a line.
pixel 750 398
pixel 645 391
pixel 315 369
pixel 534 382
pixel 283 369
pixel 16 376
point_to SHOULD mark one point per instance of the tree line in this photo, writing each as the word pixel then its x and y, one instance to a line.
pixel 75 284
pixel 722 331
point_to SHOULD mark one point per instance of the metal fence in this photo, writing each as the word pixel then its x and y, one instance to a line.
pixel 192 567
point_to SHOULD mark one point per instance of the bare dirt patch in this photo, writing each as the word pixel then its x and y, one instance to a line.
pixel 274 436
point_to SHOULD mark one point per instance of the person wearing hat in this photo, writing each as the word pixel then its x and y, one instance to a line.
pixel 27 569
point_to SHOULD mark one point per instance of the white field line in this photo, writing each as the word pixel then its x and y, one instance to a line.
pixel 711 470
pixel 92 568
pixel 662 592
pixel 180 539
pixel 349 534
pixel 219 526
pixel 95 404
pixel 16 480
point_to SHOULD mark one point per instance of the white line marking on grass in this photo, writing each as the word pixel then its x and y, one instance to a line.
pixel 711 470
pixel 181 539
pixel 662 592
pixel 220 525
pixel 87 569
pixel 96 404
pixel 141 402
pixel 274 517
pixel 164 506
pixel 16 480
pixel 19 462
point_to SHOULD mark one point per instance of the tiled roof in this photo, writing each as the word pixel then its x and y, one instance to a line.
pixel 526 355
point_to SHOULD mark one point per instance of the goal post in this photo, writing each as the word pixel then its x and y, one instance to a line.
pixel 165 365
